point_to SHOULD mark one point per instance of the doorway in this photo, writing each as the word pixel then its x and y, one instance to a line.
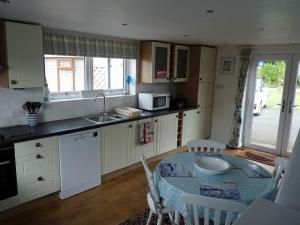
pixel 273 103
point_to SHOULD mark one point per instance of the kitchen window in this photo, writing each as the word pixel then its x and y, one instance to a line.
pixel 67 76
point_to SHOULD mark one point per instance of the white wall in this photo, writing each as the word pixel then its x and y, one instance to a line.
pixel 11 102
pixel 225 88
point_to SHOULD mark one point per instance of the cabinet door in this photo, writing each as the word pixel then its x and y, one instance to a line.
pixel 181 67
pixel 148 150
pixel 25 55
pixel 37 176
pixel 191 126
pixel 205 122
pixel 207 64
pixel 116 141
pixel 160 62
pixel 205 95
pixel 167 133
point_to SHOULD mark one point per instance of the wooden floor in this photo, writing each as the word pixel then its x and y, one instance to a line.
pixel 116 200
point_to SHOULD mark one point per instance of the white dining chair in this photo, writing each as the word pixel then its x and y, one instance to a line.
pixel 204 145
pixel 155 202
pixel 207 204
pixel 281 165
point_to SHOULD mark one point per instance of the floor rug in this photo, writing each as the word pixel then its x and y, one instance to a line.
pixel 142 218
pixel 257 156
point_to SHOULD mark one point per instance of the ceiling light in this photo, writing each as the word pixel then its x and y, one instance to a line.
pixel 210 11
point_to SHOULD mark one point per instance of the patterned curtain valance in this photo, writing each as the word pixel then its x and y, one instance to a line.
pixel 60 44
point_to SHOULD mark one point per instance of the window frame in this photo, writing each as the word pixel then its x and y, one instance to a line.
pixel 88 79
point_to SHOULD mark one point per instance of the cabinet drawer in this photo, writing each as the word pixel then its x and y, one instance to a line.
pixel 37 184
pixel 34 162
pixel 36 146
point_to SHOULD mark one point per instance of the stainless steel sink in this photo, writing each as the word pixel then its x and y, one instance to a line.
pixel 105 118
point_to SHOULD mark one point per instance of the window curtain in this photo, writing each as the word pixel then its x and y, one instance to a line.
pixel 245 56
pixel 60 44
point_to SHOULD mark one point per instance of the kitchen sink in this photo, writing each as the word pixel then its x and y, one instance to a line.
pixel 105 118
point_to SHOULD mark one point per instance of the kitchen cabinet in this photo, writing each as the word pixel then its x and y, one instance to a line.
pixel 37 167
pixel 205 122
pixel 116 147
pixel 207 64
pixel 181 63
pixel 22 59
pixel 148 150
pixel 154 62
pixel 191 126
pixel 205 94
pixel 167 128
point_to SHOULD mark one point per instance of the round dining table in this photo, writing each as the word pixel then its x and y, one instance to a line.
pixel 170 188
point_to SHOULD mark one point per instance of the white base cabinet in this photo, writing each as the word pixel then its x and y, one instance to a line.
pixel 167 128
pixel 37 167
pixel 205 122
pixel 148 150
pixel 116 147
pixel 191 126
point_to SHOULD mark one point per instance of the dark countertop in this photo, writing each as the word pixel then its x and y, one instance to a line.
pixel 60 127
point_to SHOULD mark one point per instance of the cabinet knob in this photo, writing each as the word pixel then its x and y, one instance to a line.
pixel 200 78
pixel 130 125
pixel 40 178
pixel 184 114
pixel 175 78
pixel 38 145
pixel 168 78
pixel 13 82
pixel 38 156
pixel 198 112
pixel 177 116
pixel 155 121
pixel 198 105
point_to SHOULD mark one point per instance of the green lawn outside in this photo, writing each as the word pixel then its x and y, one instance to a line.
pixel 275 95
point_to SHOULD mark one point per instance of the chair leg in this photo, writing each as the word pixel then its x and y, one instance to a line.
pixel 159 219
pixel 150 217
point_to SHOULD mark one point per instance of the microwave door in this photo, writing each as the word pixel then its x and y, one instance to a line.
pixel 159 102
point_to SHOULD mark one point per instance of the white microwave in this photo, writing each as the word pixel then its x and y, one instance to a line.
pixel 154 101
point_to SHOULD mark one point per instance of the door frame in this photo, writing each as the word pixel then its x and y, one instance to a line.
pixel 250 94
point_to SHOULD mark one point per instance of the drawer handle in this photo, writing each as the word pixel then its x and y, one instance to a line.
pixel 40 178
pixel 38 156
pixel 38 145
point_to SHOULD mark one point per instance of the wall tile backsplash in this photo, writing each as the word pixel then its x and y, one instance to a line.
pixel 11 101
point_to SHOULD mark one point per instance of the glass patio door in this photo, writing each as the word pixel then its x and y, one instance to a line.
pixel 268 104
pixel 292 120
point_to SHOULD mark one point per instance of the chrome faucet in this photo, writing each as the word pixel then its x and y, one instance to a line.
pixel 104 100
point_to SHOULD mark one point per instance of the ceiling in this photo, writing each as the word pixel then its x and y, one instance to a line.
pixel 234 22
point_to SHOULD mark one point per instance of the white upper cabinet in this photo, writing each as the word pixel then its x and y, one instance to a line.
pixel 24 55
pixel 207 64
pixel 155 62
pixel 181 63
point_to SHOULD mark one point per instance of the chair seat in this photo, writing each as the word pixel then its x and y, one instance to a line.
pixel 151 205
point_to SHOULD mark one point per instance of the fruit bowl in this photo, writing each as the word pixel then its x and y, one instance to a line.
pixel 211 165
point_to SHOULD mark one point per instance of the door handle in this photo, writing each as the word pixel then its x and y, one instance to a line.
pixel 4 163
pixel 282 106
pixel 291 106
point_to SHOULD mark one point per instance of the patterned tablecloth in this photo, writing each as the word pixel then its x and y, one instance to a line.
pixel 170 188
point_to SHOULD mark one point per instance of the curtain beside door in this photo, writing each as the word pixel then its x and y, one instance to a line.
pixel 245 57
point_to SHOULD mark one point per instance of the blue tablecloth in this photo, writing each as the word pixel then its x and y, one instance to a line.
pixel 170 188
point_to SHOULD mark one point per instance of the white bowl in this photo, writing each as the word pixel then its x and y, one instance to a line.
pixel 211 165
